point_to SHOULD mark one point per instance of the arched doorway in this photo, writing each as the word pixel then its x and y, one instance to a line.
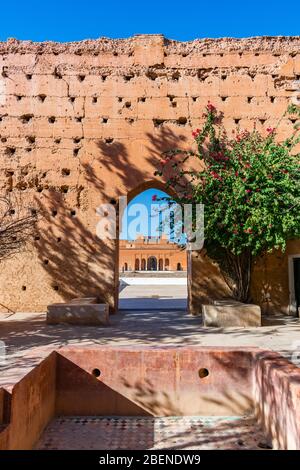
pixel 150 255
pixel 179 268
pixel 152 263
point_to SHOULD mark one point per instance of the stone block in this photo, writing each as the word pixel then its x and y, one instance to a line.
pixel 78 312
pixel 229 313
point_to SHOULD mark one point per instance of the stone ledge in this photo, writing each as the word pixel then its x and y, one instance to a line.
pixel 230 313
pixel 78 313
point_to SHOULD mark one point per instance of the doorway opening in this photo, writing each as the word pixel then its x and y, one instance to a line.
pixel 152 257
pixel 294 284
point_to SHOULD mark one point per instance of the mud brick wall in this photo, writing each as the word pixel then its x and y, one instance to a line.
pixel 83 123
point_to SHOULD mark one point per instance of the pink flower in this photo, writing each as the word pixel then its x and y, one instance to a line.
pixel 195 133
pixel 248 191
pixel 210 107
pixel 236 173
pixel 154 197
pixel 270 130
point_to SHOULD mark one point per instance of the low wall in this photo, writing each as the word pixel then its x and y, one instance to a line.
pixel 151 381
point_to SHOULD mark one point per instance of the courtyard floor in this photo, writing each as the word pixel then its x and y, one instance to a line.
pixel 28 338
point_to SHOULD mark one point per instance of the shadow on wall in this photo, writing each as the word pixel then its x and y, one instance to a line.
pixel 78 263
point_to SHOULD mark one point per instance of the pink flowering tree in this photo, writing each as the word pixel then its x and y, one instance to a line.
pixel 249 184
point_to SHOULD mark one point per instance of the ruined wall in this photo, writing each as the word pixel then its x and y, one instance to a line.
pixel 82 123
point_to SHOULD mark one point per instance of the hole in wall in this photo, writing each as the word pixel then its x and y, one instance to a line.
pixel 65 171
pixel 18 97
pixel 51 119
pixel 262 121
pixel 46 261
pixel 151 75
pixel 109 140
pixel 10 150
pixel 30 139
pixel 203 372
pixel 3 140
pixel 72 99
pixel 41 98
pixel 224 98
pixel 176 76
pixel 81 78
pixel 23 287
pixel 75 152
pixel 25 118
pixel 28 76
pixel 64 189
pixel 249 99
pixel 103 78
pixel 57 74
pixel 57 141
pixel 182 121
pixel 76 140
pixel 73 213
pixel 55 287
pixel 54 213
pixel 236 121
pixel 142 99
pixel 104 120
pixel 113 201
pixel 272 99
pixel 158 122
pixel 94 99
pixel 120 99
pixel 127 104
pixel 96 372
pixel 58 239
pixel 78 119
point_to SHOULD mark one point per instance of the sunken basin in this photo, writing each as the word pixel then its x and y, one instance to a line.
pixel 150 397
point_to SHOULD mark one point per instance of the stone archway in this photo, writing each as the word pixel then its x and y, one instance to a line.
pixel 159 263
pixel 152 263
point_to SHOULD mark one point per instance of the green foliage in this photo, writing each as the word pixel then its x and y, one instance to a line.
pixel 249 184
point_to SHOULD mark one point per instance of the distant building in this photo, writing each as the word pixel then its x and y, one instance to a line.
pixel 151 254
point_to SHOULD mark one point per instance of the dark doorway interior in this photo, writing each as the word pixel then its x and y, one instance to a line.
pixel 297 281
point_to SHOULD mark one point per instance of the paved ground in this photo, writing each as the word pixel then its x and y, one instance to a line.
pixel 147 295
pixel 188 432
pixel 28 338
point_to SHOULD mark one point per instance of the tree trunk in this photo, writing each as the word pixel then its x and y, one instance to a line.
pixel 238 274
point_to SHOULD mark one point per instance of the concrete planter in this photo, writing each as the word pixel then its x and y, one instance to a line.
pixel 228 313
pixel 83 311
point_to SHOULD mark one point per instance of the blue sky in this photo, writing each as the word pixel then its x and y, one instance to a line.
pixel 67 20
pixel 150 225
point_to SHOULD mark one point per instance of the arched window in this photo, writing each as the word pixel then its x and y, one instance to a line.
pixel 143 265
pixel 161 265
pixel 125 267
pixel 179 268
pixel 152 264
pixel 137 265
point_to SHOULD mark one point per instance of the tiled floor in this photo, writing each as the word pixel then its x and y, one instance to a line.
pixel 188 432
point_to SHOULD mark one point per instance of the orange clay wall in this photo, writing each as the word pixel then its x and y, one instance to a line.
pixel 83 123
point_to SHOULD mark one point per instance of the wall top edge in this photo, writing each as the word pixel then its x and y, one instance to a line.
pixel 107 45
